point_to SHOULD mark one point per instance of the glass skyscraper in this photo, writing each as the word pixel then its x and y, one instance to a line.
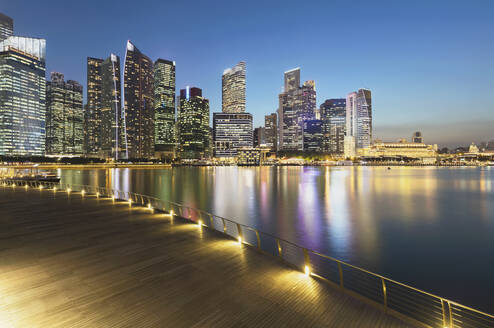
pixel 164 107
pixel 333 116
pixel 193 124
pixel 270 131
pixel 358 121
pixel 92 115
pixel 313 135
pixel 22 96
pixel 6 27
pixel 231 131
pixel 64 117
pixel 139 104
pixel 233 89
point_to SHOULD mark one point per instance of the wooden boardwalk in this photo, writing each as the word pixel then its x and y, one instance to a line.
pixel 68 261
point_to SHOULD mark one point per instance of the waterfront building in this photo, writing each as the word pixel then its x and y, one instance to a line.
pixel 6 27
pixel 193 124
pixel 249 156
pixel 417 137
pixel 164 108
pixel 333 116
pixel 358 132
pixel 313 135
pixel 402 149
pixel 231 132
pixel 22 96
pixel 92 117
pixel 64 116
pixel 296 105
pixel 270 131
pixel 233 89
pixel 489 147
pixel 259 137
pixel 139 104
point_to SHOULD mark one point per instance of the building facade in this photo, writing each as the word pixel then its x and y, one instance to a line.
pixel 92 115
pixel 271 131
pixel 64 117
pixel 193 124
pixel 22 96
pixel 417 137
pixel 259 136
pixel 231 131
pixel 358 132
pixel 6 27
pixel 164 107
pixel 139 104
pixel 333 116
pixel 313 136
pixel 233 89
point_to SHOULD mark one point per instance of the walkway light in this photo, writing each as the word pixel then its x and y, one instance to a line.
pixel 199 223
pixel 54 188
pixel 97 194
pixel 130 202
pixel 26 186
pixel 69 190
pixel 307 270
pixel 40 187
pixel 83 192
pixel 240 240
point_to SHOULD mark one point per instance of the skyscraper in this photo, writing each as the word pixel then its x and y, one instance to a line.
pixel 22 96
pixel 193 124
pixel 296 105
pixel 139 104
pixel 333 116
pixel 232 131
pixel 313 136
pixel 233 89
pixel 270 131
pixel 164 106
pixel 112 141
pixel 64 116
pixel 6 27
pixel 92 117
pixel 358 121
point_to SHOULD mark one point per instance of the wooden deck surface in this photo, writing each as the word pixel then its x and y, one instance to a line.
pixel 68 261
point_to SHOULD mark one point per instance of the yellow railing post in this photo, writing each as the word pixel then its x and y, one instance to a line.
pixel 280 253
pixel 258 240
pixel 385 296
pixel 212 220
pixel 451 322
pixel 224 225
pixel 239 229
pixel 306 261
pixel 340 270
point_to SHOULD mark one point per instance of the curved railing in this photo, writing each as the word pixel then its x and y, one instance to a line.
pixel 403 301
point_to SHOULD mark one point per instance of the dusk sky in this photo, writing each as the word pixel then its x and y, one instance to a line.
pixel 429 64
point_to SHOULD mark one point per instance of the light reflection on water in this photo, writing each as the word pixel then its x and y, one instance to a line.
pixel 430 227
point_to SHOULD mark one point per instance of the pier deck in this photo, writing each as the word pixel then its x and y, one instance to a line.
pixel 72 261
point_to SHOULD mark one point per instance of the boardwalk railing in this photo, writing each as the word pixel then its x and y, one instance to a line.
pixel 400 300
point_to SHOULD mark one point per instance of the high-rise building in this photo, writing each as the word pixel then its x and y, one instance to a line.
pixel 333 116
pixel 358 121
pixel 92 117
pixel 64 116
pixel 22 96
pixel 164 107
pixel 193 124
pixel 296 105
pixel 233 89
pixel 313 135
pixel 139 104
pixel 231 131
pixel 6 27
pixel 259 138
pixel 417 137
pixel 270 131
pixel 111 135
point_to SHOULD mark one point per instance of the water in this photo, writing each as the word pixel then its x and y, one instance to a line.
pixel 432 228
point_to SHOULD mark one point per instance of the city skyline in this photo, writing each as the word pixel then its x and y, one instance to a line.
pixel 430 93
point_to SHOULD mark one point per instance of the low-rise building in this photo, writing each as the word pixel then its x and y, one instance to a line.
pixel 401 149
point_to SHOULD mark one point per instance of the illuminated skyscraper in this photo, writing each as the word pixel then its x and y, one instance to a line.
pixel 139 104
pixel 64 116
pixel 233 89
pixel 164 106
pixel 193 124
pixel 296 105
pixel 92 117
pixel 333 116
pixel 313 136
pixel 6 27
pixel 358 121
pixel 232 131
pixel 270 131
pixel 22 96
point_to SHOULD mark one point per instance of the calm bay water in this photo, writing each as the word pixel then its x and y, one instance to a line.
pixel 432 228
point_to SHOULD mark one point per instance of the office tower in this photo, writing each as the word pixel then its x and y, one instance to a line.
pixel 22 96
pixel 313 136
pixel 164 107
pixel 6 27
pixel 233 89
pixel 64 116
pixel 193 124
pixel 333 116
pixel 358 133
pixel 232 131
pixel 139 104
pixel 270 131
pixel 93 110
pixel 417 137
pixel 259 137
pixel 296 105
pixel 111 134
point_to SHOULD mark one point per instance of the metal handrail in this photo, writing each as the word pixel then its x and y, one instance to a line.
pixel 410 303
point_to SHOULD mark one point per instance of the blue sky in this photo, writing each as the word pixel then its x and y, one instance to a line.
pixel 429 64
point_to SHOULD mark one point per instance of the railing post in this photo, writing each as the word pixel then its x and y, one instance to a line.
pixel 212 220
pixel 280 251
pixel 444 312
pixel 224 225
pixel 258 240
pixel 451 322
pixel 340 270
pixel 306 261
pixel 385 296
pixel 239 229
